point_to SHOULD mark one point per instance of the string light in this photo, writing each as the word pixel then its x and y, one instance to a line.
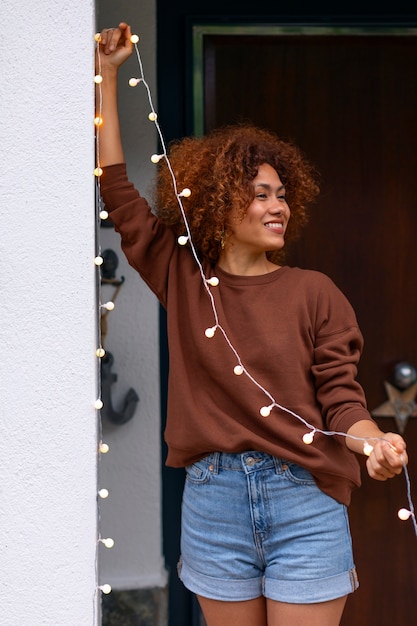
pixel 367 449
pixel 108 542
pixel 182 240
pixel 404 514
pixel 308 437
pixel 109 306
pixel 265 411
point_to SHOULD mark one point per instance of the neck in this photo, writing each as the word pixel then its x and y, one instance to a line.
pixel 246 266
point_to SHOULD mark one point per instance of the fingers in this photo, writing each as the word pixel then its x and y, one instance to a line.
pixel 387 458
pixel 113 38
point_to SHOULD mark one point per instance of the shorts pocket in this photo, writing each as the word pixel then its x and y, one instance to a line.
pixel 198 473
pixel 298 474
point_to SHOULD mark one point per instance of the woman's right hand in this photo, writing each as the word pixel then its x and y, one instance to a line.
pixel 114 47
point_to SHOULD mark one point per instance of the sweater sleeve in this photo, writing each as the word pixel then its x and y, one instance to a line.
pixel 147 243
pixel 338 347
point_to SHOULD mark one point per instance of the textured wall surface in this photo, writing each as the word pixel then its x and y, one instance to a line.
pixel 131 470
pixel 48 443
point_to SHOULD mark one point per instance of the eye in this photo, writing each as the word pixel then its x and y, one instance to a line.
pixel 261 196
pixel 282 198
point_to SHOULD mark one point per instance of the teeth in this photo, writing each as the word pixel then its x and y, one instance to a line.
pixel 275 225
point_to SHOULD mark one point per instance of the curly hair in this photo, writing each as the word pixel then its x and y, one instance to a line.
pixel 219 169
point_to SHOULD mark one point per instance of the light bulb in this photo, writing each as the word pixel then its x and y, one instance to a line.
pixel 152 116
pixel 100 352
pixel 185 193
pixel 367 448
pixel 155 158
pixel 134 81
pixel 98 260
pixel 134 38
pixel 103 493
pixel 238 370
pixel 209 332
pixel 98 404
pixel 98 171
pixel 104 448
pixel 265 411
pixel 109 306
pixel 103 215
pixel 404 514
pixel 108 542
pixel 105 588
pixel 98 79
pixel 97 37
pixel 308 438
pixel 98 120
pixel 213 281
pixel 182 240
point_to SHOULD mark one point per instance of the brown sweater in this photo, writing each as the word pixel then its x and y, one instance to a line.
pixel 293 329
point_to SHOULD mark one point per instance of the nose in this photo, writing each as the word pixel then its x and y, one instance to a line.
pixel 276 209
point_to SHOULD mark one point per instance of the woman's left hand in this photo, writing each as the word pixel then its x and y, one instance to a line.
pixel 387 457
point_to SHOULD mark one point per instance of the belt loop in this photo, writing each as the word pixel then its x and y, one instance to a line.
pixel 278 465
pixel 214 462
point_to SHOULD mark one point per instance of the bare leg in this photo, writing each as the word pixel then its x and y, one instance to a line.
pixel 320 614
pixel 245 613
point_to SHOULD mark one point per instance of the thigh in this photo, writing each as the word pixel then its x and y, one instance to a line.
pixel 245 613
pixel 318 614
pixel 261 612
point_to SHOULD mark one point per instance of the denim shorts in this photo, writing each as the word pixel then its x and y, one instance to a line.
pixel 256 525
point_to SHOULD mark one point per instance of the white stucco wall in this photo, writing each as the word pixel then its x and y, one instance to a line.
pixel 48 442
pixel 131 471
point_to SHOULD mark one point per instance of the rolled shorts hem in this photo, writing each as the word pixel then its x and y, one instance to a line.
pixel 291 591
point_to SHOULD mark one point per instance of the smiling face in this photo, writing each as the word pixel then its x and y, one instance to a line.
pixel 263 227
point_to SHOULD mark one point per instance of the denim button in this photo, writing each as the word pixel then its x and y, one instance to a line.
pixel 250 461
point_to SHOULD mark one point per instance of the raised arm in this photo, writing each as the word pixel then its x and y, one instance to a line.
pixel 113 49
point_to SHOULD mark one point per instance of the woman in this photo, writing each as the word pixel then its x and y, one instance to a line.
pixel 263 359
